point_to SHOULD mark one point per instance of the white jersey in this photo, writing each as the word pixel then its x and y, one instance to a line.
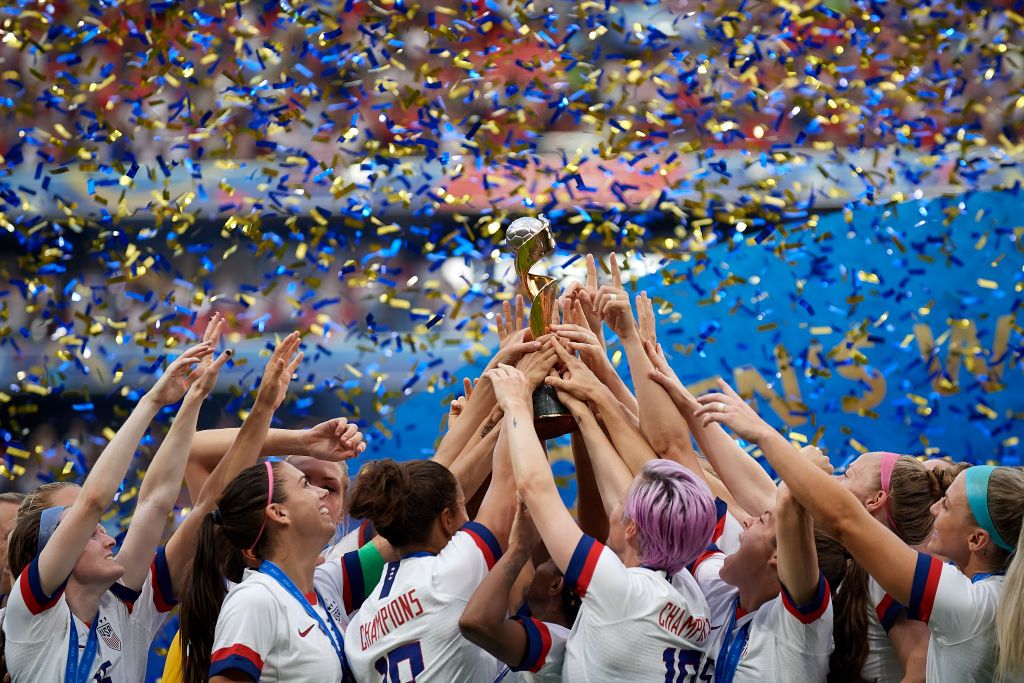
pixel 633 624
pixel 882 664
pixel 780 641
pixel 961 614
pixel 265 632
pixel 38 628
pixel 729 539
pixel 352 541
pixel 545 653
pixel 408 629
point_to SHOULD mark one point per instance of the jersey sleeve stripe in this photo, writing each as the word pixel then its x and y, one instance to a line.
pixel 888 611
pixel 354 589
pixel 922 591
pixel 485 540
pixel 239 657
pixel 163 587
pixel 125 595
pixel 538 644
pixel 706 555
pixel 812 611
pixel 366 532
pixel 31 585
pixel 583 562
pixel 721 510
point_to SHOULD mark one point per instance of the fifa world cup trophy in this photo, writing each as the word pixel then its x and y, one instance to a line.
pixel 530 239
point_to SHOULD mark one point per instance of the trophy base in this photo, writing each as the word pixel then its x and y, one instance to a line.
pixel 551 418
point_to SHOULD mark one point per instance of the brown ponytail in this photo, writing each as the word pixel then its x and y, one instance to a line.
pixel 403 500
pixel 232 527
pixel 850 628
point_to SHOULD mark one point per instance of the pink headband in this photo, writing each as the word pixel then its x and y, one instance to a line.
pixel 888 463
pixel 270 499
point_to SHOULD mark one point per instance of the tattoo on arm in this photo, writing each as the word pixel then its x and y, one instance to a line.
pixel 487 430
pixel 514 423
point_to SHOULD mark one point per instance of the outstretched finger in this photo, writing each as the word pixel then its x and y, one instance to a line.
pixel 591 273
pixel 520 321
pixel 613 265
pixel 467 386
pixel 563 355
pixel 294 365
pixel 728 390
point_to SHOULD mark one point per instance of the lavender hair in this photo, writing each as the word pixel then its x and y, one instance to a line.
pixel 674 514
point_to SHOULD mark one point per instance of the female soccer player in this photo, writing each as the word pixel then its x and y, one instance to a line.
pixel 532 643
pixel 61 621
pixel 874 639
pixel 974 604
pixel 277 524
pixel 633 624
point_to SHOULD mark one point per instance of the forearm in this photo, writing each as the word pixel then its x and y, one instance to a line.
pixel 798 560
pixel 629 442
pixel 610 378
pixel 589 506
pixel 244 452
pixel 210 445
pixel 610 473
pixel 746 480
pixel 477 410
pixel 659 420
pixel 162 481
pixel 108 473
pixel 471 468
pixel 485 610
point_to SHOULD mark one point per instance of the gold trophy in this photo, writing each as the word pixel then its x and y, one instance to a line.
pixel 530 239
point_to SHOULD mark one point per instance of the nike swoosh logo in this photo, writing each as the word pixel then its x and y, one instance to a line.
pixel 303 634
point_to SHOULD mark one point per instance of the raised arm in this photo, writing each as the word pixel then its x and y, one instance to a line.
pixel 797 555
pixel 471 468
pixel 837 511
pixel 483 622
pixel 162 482
pixel 533 477
pixel 610 472
pixel 336 439
pixel 243 453
pixel 78 523
pixel 590 510
pixel 659 420
pixel 746 480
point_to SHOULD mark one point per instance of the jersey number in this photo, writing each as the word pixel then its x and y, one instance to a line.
pixel 681 666
pixel 401 665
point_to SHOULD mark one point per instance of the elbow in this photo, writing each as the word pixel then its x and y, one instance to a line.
pixel 531 484
pixel 472 628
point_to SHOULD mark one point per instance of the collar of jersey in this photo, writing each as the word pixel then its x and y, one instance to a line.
pixel 981 577
pixel 418 553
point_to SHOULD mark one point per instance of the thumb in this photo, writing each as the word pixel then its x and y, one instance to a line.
pixel 558 383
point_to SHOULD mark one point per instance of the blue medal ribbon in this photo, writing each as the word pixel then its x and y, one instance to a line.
pixel 333 634
pixel 732 648
pixel 78 670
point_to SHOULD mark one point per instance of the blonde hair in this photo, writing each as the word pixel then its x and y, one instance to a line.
pixel 40 498
pixel 1006 505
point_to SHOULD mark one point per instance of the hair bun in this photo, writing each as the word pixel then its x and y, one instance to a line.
pixel 380 493
pixel 217 519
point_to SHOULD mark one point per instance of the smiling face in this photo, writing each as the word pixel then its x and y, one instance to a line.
pixel 756 554
pixel 330 476
pixel 305 508
pixel 96 564
pixel 954 524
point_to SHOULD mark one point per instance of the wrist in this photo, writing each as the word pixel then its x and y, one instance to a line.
pixel 148 402
pixel 518 554
pixel 518 405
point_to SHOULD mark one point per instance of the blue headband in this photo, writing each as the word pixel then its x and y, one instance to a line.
pixel 47 525
pixel 977 498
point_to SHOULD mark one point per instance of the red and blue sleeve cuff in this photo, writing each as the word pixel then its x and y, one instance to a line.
pixel 485 540
pixel 888 611
pixel 125 594
pixel 711 551
pixel 922 591
pixel 721 511
pixel 538 644
pixel 31 585
pixel 812 611
pixel 163 586
pixel 354 592
pixel 583 563
pixel 236 658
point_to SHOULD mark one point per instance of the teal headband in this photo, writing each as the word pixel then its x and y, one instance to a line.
pixel 977 498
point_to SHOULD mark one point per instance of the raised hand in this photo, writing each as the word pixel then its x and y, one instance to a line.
pixel 278 373
pixel 646 319
pixel 180 375
pixel 582 340
pixel 577 379
pixel 814 455
pixel 459 404
pixel 511 388
pixel 536 365
pixel 507 323
pixel 517 346
pixel 335 440
pixel 728 408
